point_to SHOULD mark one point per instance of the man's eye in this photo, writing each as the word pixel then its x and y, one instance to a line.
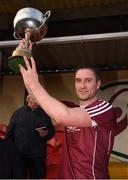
pixel 78 80
pixel 89 80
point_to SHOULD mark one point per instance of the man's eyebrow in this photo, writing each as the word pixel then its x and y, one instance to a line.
pixel 84 78
pixel 77 78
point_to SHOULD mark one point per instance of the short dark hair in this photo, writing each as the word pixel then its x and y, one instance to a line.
pixel 94 70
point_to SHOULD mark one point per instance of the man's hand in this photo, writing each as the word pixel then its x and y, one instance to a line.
pixel 24 44
pixel 30 75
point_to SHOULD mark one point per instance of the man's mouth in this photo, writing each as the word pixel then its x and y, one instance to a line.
pixel 83 91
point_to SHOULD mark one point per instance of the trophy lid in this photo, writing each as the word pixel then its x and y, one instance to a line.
pixel 28 13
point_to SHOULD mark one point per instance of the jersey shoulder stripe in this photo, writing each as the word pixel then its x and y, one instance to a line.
pixel 100 108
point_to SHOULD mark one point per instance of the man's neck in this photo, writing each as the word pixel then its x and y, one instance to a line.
pixel 87 102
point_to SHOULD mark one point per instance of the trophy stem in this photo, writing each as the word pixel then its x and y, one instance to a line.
pixel 27 37
pixel 19 53
pixel 27 34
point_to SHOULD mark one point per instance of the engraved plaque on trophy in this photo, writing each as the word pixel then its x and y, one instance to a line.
pixel 29 24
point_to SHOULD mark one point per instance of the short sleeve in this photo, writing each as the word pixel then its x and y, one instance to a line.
pixel 102 114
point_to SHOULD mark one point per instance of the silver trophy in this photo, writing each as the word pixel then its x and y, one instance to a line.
pixel 30 24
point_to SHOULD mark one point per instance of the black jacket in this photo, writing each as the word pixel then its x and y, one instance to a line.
pixel 10 162
pixel 21 130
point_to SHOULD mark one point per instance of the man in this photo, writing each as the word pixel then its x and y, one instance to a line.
pixel 90 128
pixel 30 128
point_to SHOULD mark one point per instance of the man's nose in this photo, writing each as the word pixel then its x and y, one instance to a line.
pixel 83 84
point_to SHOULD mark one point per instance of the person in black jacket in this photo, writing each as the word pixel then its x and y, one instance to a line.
pixel 10 162
pixel 30 128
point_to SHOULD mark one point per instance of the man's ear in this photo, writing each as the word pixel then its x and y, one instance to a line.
pixel 98 84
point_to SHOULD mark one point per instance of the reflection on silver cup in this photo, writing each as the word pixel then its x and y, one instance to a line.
pixel 29 23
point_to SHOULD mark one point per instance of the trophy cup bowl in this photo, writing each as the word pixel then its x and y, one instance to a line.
pixel 29 24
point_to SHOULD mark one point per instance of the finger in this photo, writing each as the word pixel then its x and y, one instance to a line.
pixel 30 45
pixel 21 44
pixel 22 69
pixel 28 66
pixel 41 131
pixel 33 64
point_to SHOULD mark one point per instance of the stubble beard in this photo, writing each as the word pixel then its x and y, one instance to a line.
pixel 86 97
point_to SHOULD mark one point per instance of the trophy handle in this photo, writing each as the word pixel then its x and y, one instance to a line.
pixel 47 15
pixel 45 18
pixel 14 34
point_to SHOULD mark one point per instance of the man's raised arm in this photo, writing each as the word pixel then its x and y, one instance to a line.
pixel 54 108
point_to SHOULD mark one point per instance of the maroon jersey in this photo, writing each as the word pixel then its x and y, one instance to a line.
pixel 86 151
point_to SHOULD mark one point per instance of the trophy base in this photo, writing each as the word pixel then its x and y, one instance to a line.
pixel 14 61
pixel 18 58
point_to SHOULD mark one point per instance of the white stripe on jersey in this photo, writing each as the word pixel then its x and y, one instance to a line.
pixel 100 112
pixel 98 109
pixel 109 144
pixel 94 156
pixel 95 107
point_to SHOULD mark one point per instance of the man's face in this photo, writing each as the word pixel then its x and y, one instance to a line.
pixel 86 84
